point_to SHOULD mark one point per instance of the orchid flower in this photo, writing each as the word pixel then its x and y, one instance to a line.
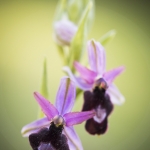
pixel 59 119
pixel 89 77
pixel 100 93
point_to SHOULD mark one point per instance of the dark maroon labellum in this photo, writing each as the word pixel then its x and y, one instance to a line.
pixel 49 139
pixel 93 100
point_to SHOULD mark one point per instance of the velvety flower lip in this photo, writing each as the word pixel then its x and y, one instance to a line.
pixel 64 102
pixel 44 146
pixel 88 77
pixel 100 101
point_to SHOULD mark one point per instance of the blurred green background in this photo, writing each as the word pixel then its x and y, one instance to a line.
pixel 26 37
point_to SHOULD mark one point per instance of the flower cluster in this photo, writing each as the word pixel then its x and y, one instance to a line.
pixel 54 130
pixel 100 94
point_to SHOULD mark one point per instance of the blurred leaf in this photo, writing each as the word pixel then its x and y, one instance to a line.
pixel 60 50
pixel 43 89
pixel 91 15
pixel 60 10
pixel 78 42
pixel 74 9
pixel 85 2
pixel 61 53
pixel 106 38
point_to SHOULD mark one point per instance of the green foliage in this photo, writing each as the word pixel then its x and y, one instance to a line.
pixel 78 42
pixel 106 38
pixel 74 10
pixel 44 88
pixel 60 10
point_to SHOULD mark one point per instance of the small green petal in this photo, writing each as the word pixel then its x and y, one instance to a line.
pixel 106 38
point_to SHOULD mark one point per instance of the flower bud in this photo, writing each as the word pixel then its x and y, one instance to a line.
pixel 64 32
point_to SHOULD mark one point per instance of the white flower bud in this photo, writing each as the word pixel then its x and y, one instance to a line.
pixel 64 32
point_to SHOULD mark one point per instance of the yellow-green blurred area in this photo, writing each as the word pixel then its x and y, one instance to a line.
pixel 26 37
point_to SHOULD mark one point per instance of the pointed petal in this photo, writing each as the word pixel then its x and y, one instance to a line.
pixel 48 109
pixel 96 55
pixel 78 81
pixel 112 74
pixel 77 117
pixel 65 96
pixel 73 139
pixel 34 126
pixel 115 95
pixel 88 75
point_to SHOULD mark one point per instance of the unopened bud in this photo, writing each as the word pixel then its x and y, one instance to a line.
pixel 64 32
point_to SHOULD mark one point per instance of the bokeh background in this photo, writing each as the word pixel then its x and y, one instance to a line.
pixel 26 37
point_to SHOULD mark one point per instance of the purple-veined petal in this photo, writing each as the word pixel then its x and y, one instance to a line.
pixel 96 55
pixel 34 126
pixel 48 109
pixel 78 81
pixel 65 96
pixel 112 74
pixel 115 95
pixel 86 74
pixel 73 139
pixel 77 117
